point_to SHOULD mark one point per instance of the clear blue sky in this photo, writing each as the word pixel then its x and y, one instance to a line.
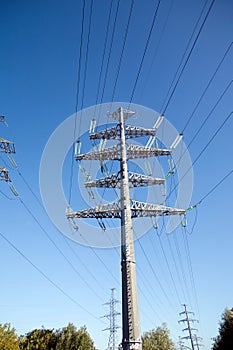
pixel 39 44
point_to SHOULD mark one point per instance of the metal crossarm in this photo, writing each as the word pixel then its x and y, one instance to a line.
pixel 135 180
pixel 7 146
pixel 141 209
pixel 4 175
pixel 110 210
pixel 133 151
pixel 136 131
pixel 113 210
pixel 111 133
pixel 105 154
pixel 130 132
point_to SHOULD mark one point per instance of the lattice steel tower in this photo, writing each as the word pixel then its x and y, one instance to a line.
pixel 125 209
pixel 112 320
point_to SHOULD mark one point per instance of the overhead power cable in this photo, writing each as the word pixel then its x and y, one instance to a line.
pixel 86 63
pixel 145 51
pixel 188 57
pixel 122 50
pixel 47 277
pixel 207 86
pixel 154 273
pixel 204 122
pixel 58 249
pixel 109 56
pixel 213 188
pixel 209 114
pixel 185 52
pixel 64 238
pixel 203 150
pixel 77 99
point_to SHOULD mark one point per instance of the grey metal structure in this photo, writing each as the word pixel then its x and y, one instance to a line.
pixel 112 320
pixel 194 339
pixel 4 175
pixel 6 147
pixel 125 209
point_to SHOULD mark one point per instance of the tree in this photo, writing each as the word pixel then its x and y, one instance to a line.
pixel 224 340
pixel 8 338
pixel 42 339
pixel 157 339
pixel 69 338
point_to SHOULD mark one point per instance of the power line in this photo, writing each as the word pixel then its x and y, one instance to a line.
pixel 58 249
pixel 109 56
pixel 207 86
pixel 77 100
pixel 183 56
pixel 122 50
pixel 188 57
pixel 47 277
pixel 86 61
pixel 209 114
pixel 213 188
pixel 203 150
pixel 104 51
pixel 145 50
pixel 204 122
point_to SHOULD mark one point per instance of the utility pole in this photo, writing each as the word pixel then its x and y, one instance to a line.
pixel 125 209
pixel 112 319
pixel 192 337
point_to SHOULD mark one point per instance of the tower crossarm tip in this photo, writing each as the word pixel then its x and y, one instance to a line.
pixel 7 146
pixel 141 209
pixel 137 180
pixel 110 133
pixel 134 151
pixel 4 175
pixel 137 131
pixel 110 210
pixel 106 154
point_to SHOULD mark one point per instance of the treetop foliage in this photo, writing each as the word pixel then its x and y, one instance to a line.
pixel 157 339
pixel 224 340
pixel 8 338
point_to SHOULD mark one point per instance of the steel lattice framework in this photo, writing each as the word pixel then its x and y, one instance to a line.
pixel 4 174
pixel 6 147
pixel 125 209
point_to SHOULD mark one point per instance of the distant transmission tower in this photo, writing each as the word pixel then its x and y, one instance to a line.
pixel 112 316
pixel 125 209
pixel 6 147
pixel 194 339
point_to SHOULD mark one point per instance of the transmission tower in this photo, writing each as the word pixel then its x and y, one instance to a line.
pixel 194 339
pixel 6 147
pixel 112 320
pixel 125 209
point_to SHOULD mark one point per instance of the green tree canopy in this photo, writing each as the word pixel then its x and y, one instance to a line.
pixel 224 341
pixel 8 338
pixel 69 338
pixel 157 339
pixel 42 339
